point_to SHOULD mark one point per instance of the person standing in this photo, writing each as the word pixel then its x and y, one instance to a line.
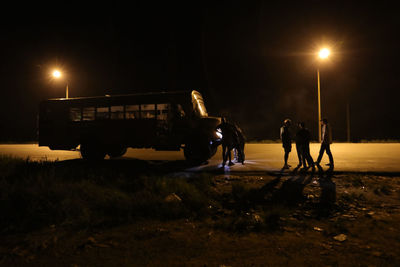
pixel 239 144
pixel 303 137
pixel 228 140
pixel 286 141
pixel 300 140
pixel 326 141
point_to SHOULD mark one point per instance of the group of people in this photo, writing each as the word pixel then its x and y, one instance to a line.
pixel 302 139
pixel 232 139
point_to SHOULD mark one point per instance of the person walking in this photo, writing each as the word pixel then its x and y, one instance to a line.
pixel 326 141
pixel 286 141
pixel 303 137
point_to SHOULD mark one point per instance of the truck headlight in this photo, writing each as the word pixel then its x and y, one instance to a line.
pixel 218 133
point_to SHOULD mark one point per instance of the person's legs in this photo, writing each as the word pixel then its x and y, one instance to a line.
pixel 299 154
pixel 329 153
pixel 321 153
pixel 288 148
pixel 223 155
pixel 241 153
pixel 305 159
pixel 229 156
pixel 286 156
pixel 303 156
pixel 308 157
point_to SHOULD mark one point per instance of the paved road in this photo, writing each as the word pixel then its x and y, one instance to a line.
pixel 259 157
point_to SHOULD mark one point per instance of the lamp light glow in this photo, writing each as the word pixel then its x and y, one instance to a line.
pixel 56 74
pixel 324 53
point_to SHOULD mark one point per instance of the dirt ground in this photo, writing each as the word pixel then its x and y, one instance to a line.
pixel 290 219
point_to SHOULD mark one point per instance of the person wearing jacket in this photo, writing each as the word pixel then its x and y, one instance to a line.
pixel 326 141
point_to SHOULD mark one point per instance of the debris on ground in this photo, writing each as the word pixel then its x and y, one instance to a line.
pixel 173 198
pixel 340 238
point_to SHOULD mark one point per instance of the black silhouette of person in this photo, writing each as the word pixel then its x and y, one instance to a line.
pixel 238 148
pixel 286 141
pixel 326 141
pixel 229 138
pixel 303 137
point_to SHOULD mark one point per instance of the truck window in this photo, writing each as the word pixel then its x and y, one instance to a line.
pixel 148 111
pixel 75 114
pixel 117 112
pixel 162 111
pixel 132 111
pixel 103 113
pixel 88 113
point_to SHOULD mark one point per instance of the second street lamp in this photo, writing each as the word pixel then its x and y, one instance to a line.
pixel 57 75
pixel 323 54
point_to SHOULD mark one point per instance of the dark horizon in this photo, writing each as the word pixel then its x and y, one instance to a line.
pixel 252 61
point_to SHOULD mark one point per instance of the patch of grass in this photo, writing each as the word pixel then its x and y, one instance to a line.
pixel 267 220
pixel 272 216
pixel 356 181
pixel 9 164
pixel 339 226
pixel 38 194
pixel 241 224
pixel 352 198
pixel 383 189
pixel 240 191
pixel 254 210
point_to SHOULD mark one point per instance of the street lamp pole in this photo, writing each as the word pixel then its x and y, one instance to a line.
pixel 348 122
pixel 323 54
pixel 319 107
pixel 57 75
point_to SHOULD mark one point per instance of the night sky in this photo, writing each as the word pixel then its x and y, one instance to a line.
pixel 254 61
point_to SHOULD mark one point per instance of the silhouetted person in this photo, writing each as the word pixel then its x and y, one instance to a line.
pixel 229 137
pixel 303 137
pixel 300 140
pixel 326 141
pixel 286 141
pixel 239 145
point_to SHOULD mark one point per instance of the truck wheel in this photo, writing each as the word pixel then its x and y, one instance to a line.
pixel 92 152
pixel 198 152
pixel 213 150
pixel 116 152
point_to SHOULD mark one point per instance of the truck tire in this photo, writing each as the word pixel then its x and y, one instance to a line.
pixel 91 151
pixel 198 151
pixel 116 152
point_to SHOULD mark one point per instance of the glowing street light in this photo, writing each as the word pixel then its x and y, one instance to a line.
pixel 57 74
pixel 323 54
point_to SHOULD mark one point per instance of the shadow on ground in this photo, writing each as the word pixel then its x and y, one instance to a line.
pixel 264 207
pixel 286 189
